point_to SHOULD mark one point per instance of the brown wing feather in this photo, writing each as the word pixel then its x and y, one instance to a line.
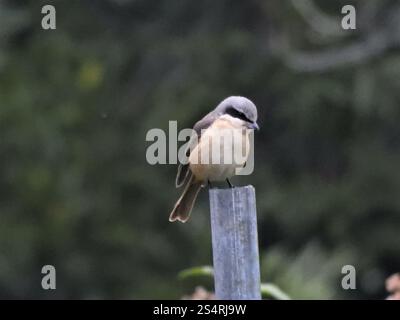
pixel 183 169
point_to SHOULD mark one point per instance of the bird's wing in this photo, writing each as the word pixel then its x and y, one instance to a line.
pixel 183 169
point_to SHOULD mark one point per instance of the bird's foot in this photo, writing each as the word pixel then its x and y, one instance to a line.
pixel 230 184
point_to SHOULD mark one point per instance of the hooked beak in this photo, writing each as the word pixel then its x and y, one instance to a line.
pixel 254 126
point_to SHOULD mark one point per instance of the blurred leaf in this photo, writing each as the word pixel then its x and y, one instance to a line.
pixel 269 290
pixel 196 272
pixel 90 75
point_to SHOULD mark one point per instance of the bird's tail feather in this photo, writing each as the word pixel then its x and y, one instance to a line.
pixel 184 205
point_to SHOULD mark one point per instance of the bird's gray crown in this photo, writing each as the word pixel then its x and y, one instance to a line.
pixel 239 104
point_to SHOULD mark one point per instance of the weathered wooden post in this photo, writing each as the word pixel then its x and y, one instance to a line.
pixel 235 243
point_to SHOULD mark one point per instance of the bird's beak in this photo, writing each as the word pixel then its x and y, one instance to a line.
pixel 254 126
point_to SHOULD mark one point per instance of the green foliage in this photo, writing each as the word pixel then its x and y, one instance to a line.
pixel 204 271
pixel 269 290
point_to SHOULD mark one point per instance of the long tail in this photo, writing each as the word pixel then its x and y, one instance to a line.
pixel 184 205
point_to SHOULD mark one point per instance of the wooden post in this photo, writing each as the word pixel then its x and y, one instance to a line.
pixel 235 243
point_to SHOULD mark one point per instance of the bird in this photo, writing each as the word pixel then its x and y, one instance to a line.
pixel 233 113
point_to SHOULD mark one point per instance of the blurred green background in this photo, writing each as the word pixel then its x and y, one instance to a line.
pixel 76 103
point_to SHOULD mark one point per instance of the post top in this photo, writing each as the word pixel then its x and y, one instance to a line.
pixel 248 188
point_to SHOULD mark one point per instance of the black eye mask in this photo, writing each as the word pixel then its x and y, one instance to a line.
pixel 237 114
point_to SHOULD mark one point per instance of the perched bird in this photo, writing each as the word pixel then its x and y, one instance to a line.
pixel 233 113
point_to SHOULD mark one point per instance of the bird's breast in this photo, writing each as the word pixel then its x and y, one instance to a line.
pixel 221 150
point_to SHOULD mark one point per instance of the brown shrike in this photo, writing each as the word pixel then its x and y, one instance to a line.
pixel 233 113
